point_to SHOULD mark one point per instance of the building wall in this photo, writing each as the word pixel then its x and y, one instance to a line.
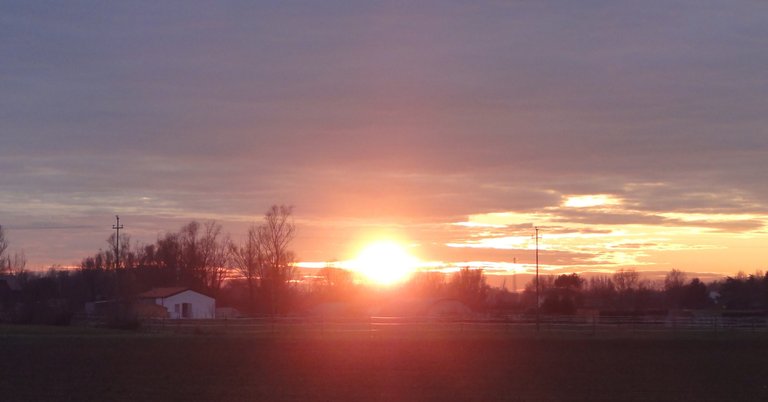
pixel 200 306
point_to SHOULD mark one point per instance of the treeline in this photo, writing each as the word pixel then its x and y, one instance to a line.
pixel 10 264
pixel 198 256
pixel 201 257
pixel 195 256
pixel 257 276
pixel 623 291
pixel 626 291
pixel 334 285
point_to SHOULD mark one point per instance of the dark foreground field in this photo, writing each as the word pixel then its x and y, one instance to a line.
pixel 77 365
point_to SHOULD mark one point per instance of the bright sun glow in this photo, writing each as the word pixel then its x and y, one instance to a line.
pixel 385 263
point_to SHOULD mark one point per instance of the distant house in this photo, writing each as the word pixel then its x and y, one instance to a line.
pixel 180 302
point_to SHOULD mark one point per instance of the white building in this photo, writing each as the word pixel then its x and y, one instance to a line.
pixel 181 302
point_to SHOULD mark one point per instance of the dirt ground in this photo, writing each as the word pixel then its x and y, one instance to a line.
pixel 68 365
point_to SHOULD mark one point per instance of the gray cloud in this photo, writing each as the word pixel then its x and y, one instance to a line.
pixel 400 113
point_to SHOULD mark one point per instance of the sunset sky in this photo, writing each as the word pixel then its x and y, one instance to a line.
pixel 633 133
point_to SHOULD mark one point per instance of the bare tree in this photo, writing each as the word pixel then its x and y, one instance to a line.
pixel 601 291
pixel 469 286
pixel 203 254
pixel 18 263
pixel 3 242
pixel 674 282
pixel 631 291
pixel 189 266
pixel 3 246
pixel 276 233
pixel 674 279
pixel 546 282
pixel 335 284
pixel 214 248
pixel 626 280
pixel 428 283
pixel 126 259
pixel 11 264
pixel 248 261
pixel 168 254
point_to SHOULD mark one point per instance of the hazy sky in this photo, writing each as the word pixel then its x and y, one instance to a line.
pixel 453 127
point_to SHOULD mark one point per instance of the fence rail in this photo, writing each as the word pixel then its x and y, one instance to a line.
pixel 520 323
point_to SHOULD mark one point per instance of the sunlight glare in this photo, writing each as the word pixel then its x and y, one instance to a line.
pixel 385 262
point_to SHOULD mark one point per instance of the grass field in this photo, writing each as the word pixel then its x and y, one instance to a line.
pixel 70 364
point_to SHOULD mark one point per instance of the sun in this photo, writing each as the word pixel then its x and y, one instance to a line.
pixel 385 262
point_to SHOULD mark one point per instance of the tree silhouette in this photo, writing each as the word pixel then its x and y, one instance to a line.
pixel 430 284
pixel 248 261
pixel 468 285
pixel 674 282
pixel 565 296
pixel 3 247
pixel 204 252
pixel 694 295
pixel 276 233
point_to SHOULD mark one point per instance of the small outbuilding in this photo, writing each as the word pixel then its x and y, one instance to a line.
pixel 181 302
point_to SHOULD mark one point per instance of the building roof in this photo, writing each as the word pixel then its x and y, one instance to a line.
pixel 158 293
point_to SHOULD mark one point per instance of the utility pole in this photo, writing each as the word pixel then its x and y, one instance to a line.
pixel 538 300
pixel 514 276
pixel 117 228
